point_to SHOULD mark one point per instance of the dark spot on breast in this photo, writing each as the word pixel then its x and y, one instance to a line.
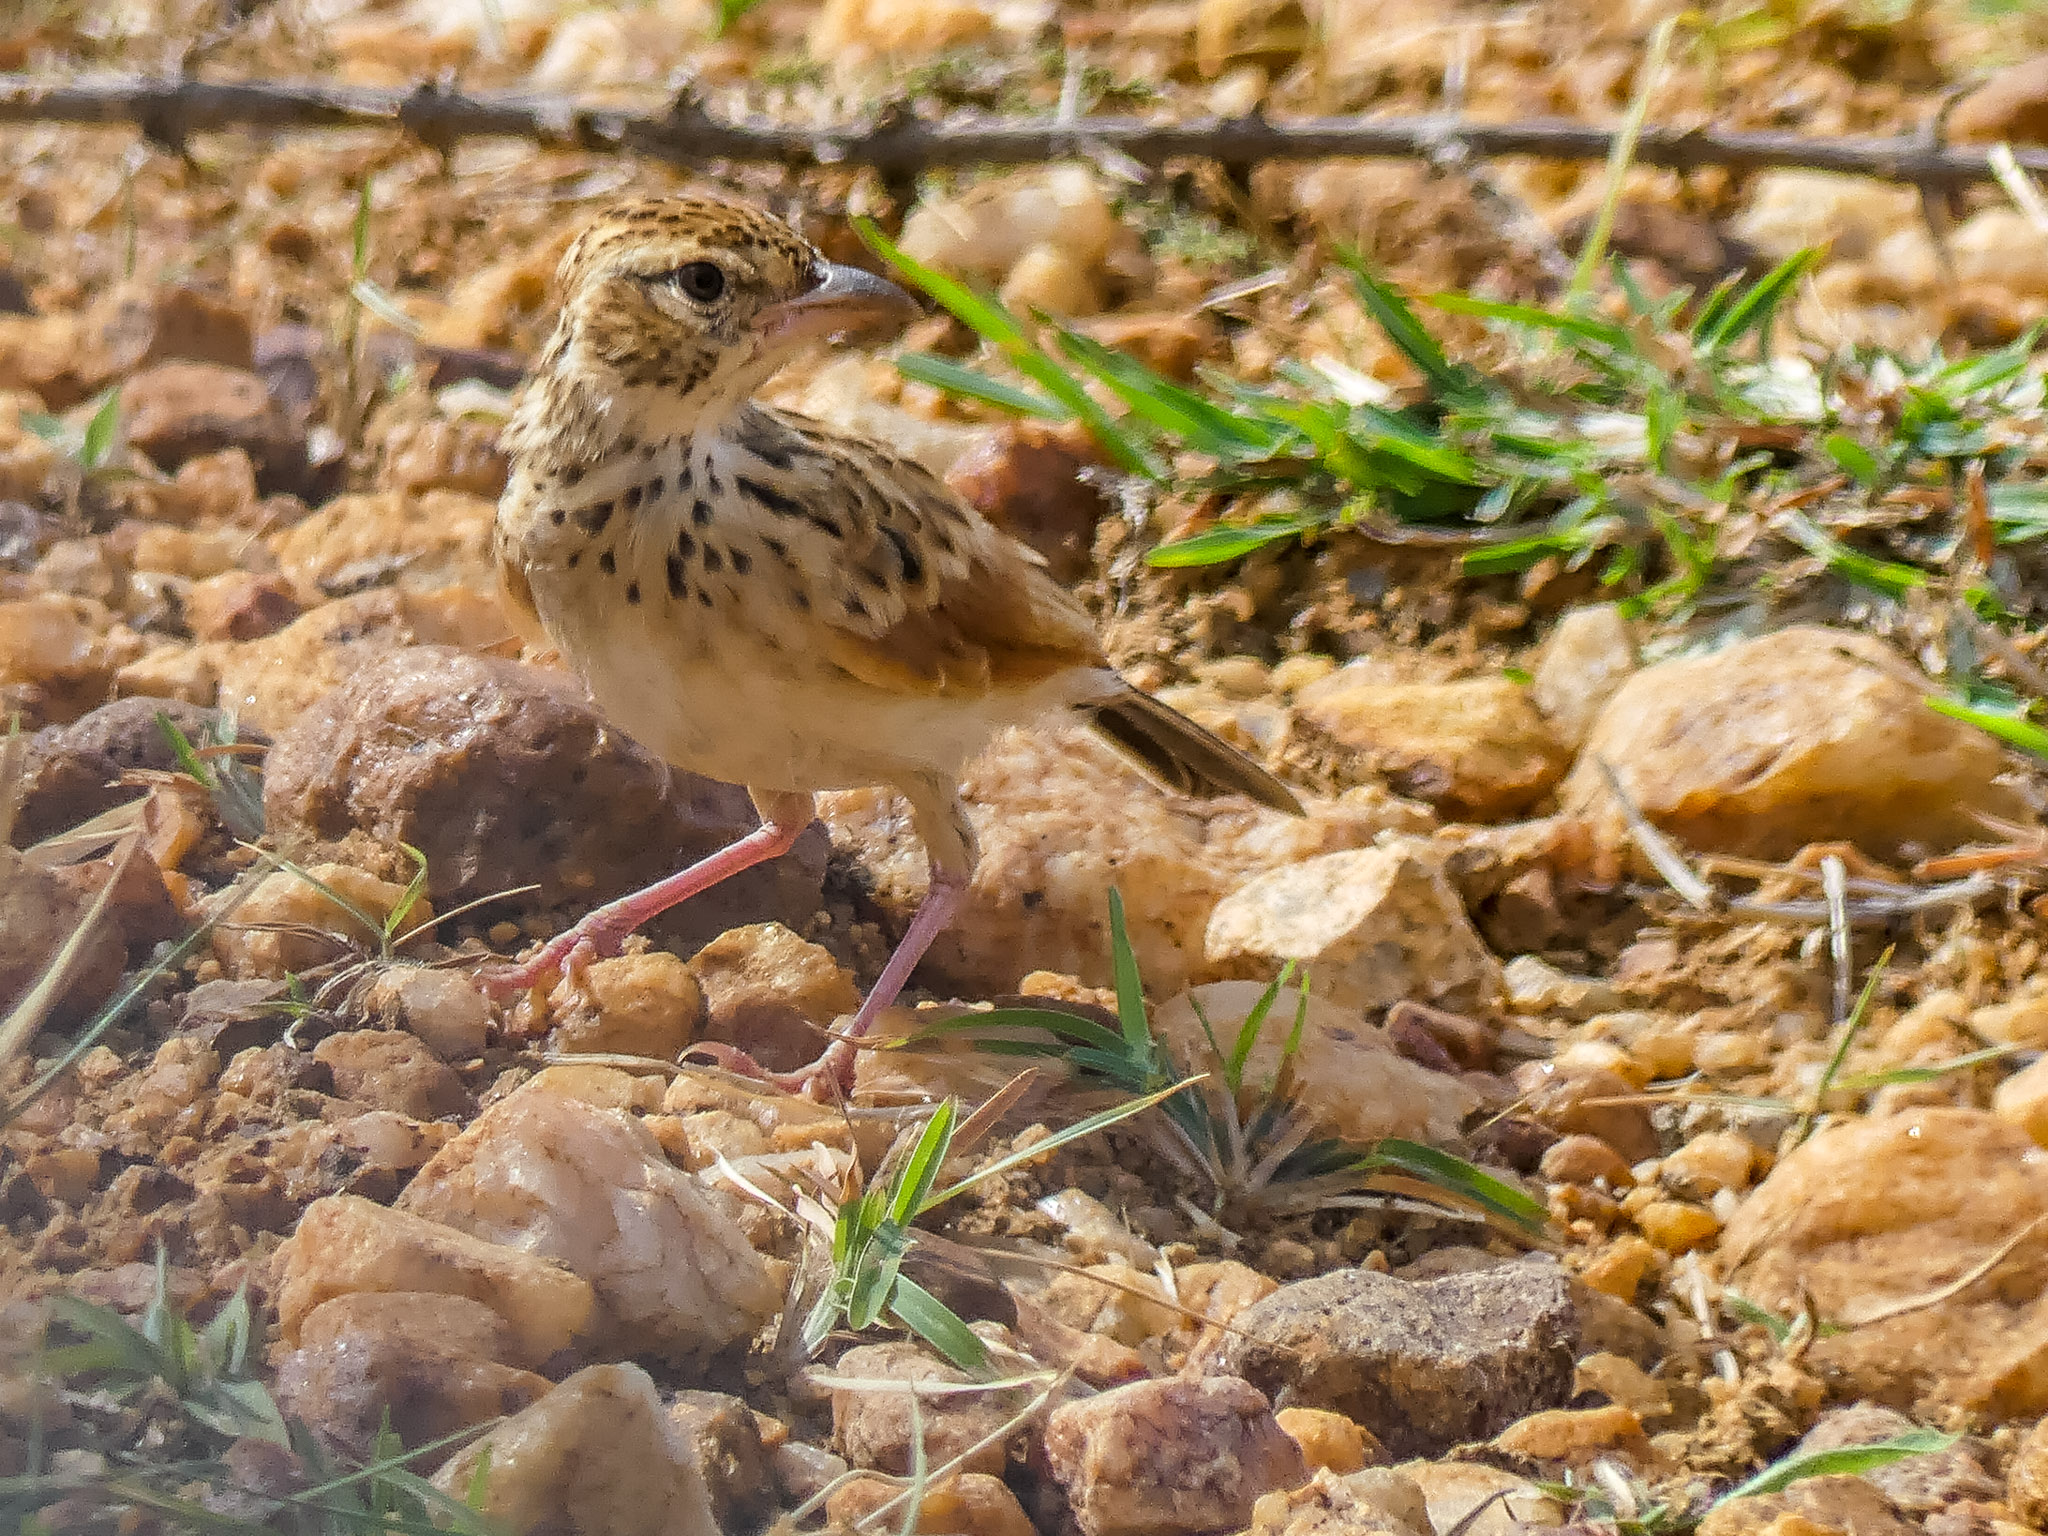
pixel 632 591
pixel 906 557
pixel 777 548
pixel 871 577
pixel 677 586
pixel 591 519
pixel 825 524
pixel 558 517
pixel 575 557
pixel 573 475
pixel 607 564
pixel 685 478
pixel 654 487
pixel 685 545
pixel 799 601
pixel 631 500
pixel 700 513
pixel 704 596
pixel 742 562
pixel 713 560
pixel 855 607
pixel 627 442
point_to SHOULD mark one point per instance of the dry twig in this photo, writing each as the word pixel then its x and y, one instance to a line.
pixel 895 140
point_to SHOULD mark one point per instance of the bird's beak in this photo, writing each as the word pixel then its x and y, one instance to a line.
pixel 845 301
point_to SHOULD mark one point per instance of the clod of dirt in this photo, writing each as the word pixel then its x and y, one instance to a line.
pixel 1424 1366
pixel 874 1427
pixel 1346 1072
pixel 595 1454
pixel 1477 750
pixel 502 776
pixel 390 1069
pixel 58 644
pixel 344 1245
pixel 1372 925
pixel 239 605
pixel 142 324
pixel 1061 818
pixel 1866 1221
pixel 1026 480
pixel 1157 1458
pixel 673 1275
pixel 2026 1478
pixel 1577 1437
pixel 1832 1503
pixel 771 993
pixel 434 1363
pixel 1795 737
pixel 1918 1485
pixel 1377 1502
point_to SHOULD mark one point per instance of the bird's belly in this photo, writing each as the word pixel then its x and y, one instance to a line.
pixel 708 697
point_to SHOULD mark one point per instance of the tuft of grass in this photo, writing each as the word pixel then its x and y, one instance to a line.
pixel 235 788
pixel 1251 1143
pixel 160 1416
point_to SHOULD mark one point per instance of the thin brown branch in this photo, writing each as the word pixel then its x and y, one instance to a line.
pixel 895 140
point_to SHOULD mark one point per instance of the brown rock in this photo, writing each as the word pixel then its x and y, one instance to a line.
pixel 1380 1502
pixel 636 1005
pixel 1864 1217
pixel 415 542
pixel 1478 750
pixel 503 776
pixel 293 923
pixel 771 993
pixel 54 641
pixel 1329 1441
pixel 1576 1436
pixel 595 1457
pixel 177 411
pixel 1170 341
pixel 1157 1458
pixel 434 1363
pixel 723 1440
pixel 1373 926
pixel 1060 817
pixel 141 325
pixel 239 605
pixel 344 1245
pixel 438 454
pixel 2010 107
pixel 1422 1365
pixel 1811 1507
pixel 965 1504
pixel 1795 737
pixel 1584 661
pixel 1917 1485
pixel 673 1274
pixel 872 1426
pixel 389 1069
pixel 2026 1477
pixel 49 356
pixel 272 681
pixel 1585 1159
pixel 444 1008
pixel 1026 479
pixel 1575 1103
pixel 39 911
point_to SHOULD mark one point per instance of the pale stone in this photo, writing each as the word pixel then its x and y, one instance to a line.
pixel 674 1276
pixel 595 1457
pixel 1374 1502
pixel 1583 663
pixel 344 1245
pixel 1477 1500
pixel 419 541
pixel 1373 926
pixel 647 1004
pixel 1346 1072
pixel 1795 737
pixel 1792 210
pixel 1478 749
pixel 265 936
pixel 965 1504
pixel 2022 1099
pixel 1329 1441
pixel 445 1008
pixel 53 639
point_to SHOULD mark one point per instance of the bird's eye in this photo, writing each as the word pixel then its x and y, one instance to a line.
pixel 699 280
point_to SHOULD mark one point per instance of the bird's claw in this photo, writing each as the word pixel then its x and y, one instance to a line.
pixel 566 956
pixel 828 1080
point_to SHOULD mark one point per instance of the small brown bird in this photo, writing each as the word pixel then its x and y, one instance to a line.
pixel 765 601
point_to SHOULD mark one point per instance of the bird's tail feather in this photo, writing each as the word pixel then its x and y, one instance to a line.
pixel 1183 756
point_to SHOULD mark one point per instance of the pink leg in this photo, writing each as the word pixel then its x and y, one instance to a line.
pixel 601 932
pixel 833 1071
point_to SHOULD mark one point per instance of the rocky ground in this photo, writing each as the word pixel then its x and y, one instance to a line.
pixel 1690 922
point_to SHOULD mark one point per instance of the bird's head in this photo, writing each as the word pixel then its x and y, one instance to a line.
pixel 703 299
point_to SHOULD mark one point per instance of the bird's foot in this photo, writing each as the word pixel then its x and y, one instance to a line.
pixel 568 954
pixel 828 1080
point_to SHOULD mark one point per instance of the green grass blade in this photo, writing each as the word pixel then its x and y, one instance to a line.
pixel 2013 730
pixel 938 1325
pixel 1888 577
pixel 1753 310
pixel 921 1170
pixel 1528 317
pixel 1219 546
pixel 102 430
pixel 972 384
pixel 1101 1120
pixel 1063 1027
pixel 1448 381
pixel 1254 1022
pixel 1130 987
pixel 1845 1460
pixel 1181 413
pixel 1461 1180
